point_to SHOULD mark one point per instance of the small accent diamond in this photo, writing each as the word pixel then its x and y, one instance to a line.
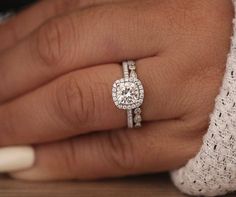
pixel 138 111
pixel 137 118
pixel 133 74
pixel 138 125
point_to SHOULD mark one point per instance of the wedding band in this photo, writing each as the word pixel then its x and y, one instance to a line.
pixel 128 94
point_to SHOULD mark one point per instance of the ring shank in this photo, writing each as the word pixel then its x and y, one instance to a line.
pixel 125 70
pixel 129 111
pixel 130 118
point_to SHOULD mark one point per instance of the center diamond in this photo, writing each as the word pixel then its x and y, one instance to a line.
pixel 128 93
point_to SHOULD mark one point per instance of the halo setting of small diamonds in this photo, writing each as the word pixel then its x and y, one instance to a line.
pixel 128 93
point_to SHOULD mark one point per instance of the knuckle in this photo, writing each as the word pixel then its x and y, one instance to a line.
pixel 62 5
pixel 72 102
pixel 102 19
pixel 52 42
pixel 98 94
pixel 118 149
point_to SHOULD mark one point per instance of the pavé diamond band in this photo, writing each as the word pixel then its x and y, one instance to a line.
pixel 128 94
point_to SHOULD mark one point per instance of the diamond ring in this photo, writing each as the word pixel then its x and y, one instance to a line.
pixel 128 94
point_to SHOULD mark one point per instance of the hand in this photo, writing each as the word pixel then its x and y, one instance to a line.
pixel 56 81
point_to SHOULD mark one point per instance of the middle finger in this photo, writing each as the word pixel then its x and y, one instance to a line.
pixel 98 35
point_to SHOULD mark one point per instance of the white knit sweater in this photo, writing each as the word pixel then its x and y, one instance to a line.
pixel 213 170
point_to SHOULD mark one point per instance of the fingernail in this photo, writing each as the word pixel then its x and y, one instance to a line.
pixel 16 158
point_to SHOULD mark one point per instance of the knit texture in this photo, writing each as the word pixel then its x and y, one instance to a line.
pixel 213 171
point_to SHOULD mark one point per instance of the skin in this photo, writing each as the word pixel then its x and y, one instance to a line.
pixel 59 60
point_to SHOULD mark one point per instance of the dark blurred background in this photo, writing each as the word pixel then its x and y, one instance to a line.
pixel 14 5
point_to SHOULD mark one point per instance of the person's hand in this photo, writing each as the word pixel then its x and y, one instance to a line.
pixel 58 62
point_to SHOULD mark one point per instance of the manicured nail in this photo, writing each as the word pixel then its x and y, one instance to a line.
pixel 16 158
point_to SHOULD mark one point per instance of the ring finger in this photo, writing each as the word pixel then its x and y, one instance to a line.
pixel 81 102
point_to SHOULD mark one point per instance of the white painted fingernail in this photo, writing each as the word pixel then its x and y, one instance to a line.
pixel 16 158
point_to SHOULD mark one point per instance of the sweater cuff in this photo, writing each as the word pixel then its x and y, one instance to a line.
pixel 213 170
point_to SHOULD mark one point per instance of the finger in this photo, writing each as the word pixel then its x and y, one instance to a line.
pixel 24 23
pixel 81 102
pixel 90 37
pixel 116 153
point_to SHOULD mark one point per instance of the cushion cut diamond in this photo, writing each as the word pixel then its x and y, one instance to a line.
pixel 128 93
